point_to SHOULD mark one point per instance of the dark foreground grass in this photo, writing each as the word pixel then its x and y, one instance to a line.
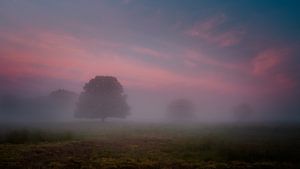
pixel 25 136
pixel 115 145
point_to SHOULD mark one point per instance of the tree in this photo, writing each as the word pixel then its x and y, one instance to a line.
pixel 102 97
pixel 181 109
pixel 243 111
pixel 61 102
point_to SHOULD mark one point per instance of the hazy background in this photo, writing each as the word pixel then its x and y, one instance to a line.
pixel 216 53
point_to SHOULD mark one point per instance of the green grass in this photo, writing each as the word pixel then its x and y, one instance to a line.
pixel 137 145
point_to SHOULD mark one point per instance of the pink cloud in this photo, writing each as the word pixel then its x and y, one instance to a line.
pixel 270 65
pixel 268 60
pixel 59 55
pixel 207 31
pixel 194 58
pixel 150 52
pixel 208 24
pixel 285 81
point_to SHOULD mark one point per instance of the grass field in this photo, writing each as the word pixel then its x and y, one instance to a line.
pixel 149 145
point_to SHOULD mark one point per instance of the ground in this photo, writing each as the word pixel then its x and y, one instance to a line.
pixel 149 145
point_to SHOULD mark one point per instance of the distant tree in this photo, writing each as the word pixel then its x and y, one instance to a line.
pixel 57 104
pixel 181 109
pixel 62 103
pixel 102 97
pixel 63 95
pixel 243 111
pixel 62 98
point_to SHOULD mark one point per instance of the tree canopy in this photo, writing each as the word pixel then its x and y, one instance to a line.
pixel 102 97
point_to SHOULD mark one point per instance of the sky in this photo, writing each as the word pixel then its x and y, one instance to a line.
pixel 217 53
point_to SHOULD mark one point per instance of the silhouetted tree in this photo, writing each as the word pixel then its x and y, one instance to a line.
pixel 102 97
pixel 62 99
pixel 59 104
pixel 243 112
pixel 181 109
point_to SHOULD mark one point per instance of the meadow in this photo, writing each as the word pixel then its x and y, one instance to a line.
pixel 92 144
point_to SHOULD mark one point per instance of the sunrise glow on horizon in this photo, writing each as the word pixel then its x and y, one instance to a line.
pixel 219 49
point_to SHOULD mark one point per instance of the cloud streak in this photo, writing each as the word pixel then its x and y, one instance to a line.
pixel 61 55
pixel 149 46
pixel 267 60
pixel 208 30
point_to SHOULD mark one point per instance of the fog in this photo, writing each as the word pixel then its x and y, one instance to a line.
pixel 149 84
pixel 151 106
pixel 232 65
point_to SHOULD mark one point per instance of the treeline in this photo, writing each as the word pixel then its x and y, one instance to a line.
pixel 102 97
pixel 58 104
